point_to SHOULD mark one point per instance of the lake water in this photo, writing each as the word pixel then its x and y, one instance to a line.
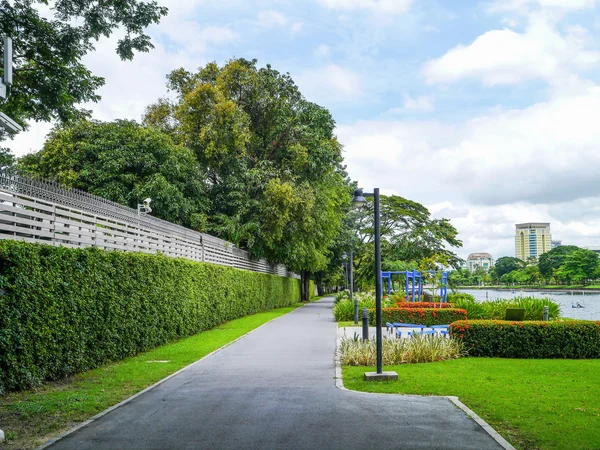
pixel 591 300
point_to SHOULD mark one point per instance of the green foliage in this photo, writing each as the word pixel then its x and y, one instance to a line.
pixel 550 261
pixel 535 339
pixel 408 236
pixel 496 309
pixel 343 309
pixel 418 349
pixel 420 316
pixel 579 265
pixel 124 162
pixel 507 264
pixel 271 159
pixel 68 310
pixel 411 305
pixel 50 82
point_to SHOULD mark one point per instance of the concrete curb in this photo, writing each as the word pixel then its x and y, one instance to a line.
pixel 158 383
pixel 339 383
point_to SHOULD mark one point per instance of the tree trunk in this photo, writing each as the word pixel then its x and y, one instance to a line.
pixel 305 289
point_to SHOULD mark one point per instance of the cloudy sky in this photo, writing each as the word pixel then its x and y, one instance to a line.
pixel 486 112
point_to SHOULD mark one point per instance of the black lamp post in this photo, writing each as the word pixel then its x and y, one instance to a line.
pixel 358 202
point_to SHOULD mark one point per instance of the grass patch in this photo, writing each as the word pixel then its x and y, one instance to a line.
pixel 533 403
pixel 349 323
pixel 28 418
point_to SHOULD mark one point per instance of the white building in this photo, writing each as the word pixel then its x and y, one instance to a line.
pixel 476 260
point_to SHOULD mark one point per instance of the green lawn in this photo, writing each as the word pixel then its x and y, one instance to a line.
pixel 28 418
pixel 534 404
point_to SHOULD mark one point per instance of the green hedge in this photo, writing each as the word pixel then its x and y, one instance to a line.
pixel 420 316
pixel 68 310
pixel 535 339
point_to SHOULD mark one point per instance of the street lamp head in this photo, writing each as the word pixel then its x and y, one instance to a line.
pixel 344 256
pixel 359 200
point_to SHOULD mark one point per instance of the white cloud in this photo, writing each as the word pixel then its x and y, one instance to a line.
pixel 296 27
pixel 380 6
pixel 270 19
pixel 330 83
pixel 533 164
pixel 506 57
pixel 322 52
pixel 424 103
pixel 524 5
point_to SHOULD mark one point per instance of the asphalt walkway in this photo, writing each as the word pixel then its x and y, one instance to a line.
pixel 275 389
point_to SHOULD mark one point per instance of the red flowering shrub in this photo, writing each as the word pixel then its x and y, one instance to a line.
pixel 424 305
pixel 529 339
pixel 420 316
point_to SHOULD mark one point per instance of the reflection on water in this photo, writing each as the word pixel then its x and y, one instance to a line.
pixel 591 300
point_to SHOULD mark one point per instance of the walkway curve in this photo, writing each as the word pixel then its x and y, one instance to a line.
pixel 275 389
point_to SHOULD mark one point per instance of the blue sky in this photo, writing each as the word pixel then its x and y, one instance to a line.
pixel 483 111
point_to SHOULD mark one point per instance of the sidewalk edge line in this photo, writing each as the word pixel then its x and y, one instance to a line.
pixel 482 423
pixel 158 383
pixel 339 383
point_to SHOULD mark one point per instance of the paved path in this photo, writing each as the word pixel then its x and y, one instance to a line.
pixel 275 389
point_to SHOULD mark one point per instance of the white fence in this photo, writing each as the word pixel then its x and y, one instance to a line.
pixel 35 210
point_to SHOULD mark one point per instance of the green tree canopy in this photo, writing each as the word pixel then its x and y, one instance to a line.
pixel 579 265
pixel 261 164
pixel 124 162
pixel 50 80
pixel 270 157
pixel 550 261
pixel 507 264
pixel 408 233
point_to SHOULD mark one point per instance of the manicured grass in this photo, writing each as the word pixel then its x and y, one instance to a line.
pixel 534 404
pixel 29 418
pixel 348 323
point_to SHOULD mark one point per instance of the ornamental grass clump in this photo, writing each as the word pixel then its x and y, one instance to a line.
pixel 343 310
pixel 417 349
pixel 496 309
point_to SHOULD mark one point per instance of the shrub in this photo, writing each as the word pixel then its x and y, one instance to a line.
pixel 342 295
pixel 537 339
pixel 424 305
pixel 418 349
pixel 343 310
pixel 455 296
pixel 496 309
pixel 64 310
pixel 419 316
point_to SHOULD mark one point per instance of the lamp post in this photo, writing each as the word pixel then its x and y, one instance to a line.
pixel 358 202
pixel 352 288
pixel 345 268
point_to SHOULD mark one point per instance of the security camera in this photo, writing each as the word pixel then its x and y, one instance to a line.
pixel 147 202
pixel 9 125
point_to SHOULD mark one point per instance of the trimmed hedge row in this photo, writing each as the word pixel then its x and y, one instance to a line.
pixel 420 316
pixel 424 305
pixel 534 339
pixel 63 311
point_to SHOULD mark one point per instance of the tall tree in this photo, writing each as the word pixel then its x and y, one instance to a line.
pixel 579 265
pixel 505 265
pixel 124 162
pixel 550 261
pixel 50 80
pixel 270 156
pixel 408 234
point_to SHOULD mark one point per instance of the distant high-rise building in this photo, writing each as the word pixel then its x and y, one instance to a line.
pixel 555 244
pixel 476 260
pixel 532 239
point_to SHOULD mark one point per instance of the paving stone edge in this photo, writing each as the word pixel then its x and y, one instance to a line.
pixel 339 382
pixel 158 383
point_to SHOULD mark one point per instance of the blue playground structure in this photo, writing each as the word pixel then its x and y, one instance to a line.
pixel 415 280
